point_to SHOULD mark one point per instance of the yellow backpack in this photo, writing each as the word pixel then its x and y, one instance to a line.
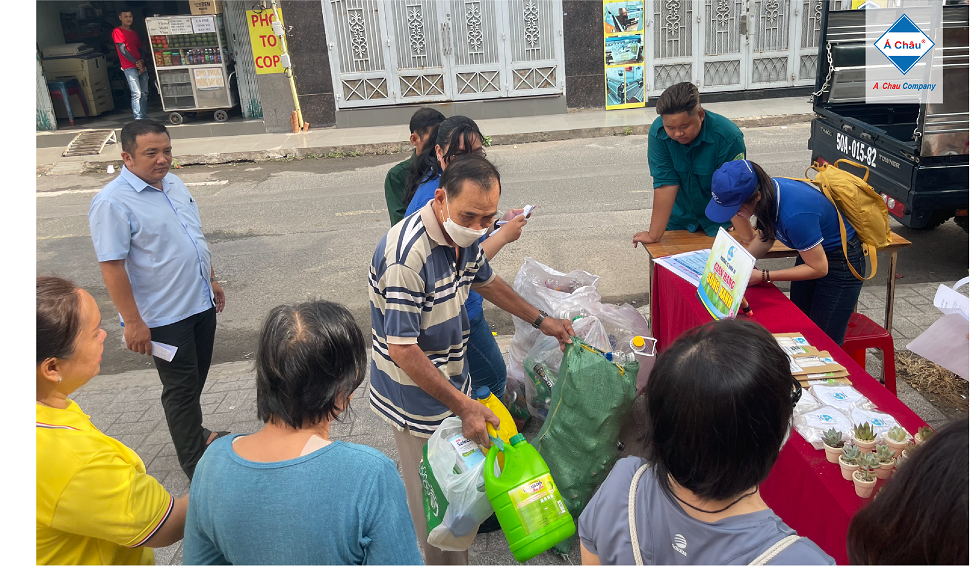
pixel 859 204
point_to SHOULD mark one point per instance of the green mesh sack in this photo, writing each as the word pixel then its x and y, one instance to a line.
pixel 578 441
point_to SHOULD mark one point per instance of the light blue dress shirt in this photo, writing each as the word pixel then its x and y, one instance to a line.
pixel 159 235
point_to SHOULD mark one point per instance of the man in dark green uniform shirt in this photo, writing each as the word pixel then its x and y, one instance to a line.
pixel 423 122
pixel 686 145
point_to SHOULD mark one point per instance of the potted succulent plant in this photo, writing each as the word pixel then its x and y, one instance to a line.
pixel 864 437
pixel 923 434
pixel 886 461
pixel 849 460
pixel 833 443
pixel 864 478
pixel 896 440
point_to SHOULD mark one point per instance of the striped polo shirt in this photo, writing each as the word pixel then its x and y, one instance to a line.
pixel 418 288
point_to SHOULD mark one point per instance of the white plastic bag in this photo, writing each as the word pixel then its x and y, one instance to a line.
pixel 561 295
pixel 468 505
pixel 622 323
pixel 813 424
pixel 881 422
pixel 842 397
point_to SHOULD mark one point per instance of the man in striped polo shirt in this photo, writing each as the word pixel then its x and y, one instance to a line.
pixel 420 276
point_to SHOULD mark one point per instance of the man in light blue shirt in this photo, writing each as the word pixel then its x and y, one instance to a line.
pixel 156 265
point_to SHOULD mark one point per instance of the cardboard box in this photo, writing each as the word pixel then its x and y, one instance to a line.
pixel 205 7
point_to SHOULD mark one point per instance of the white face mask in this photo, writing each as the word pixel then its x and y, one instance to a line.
pixel 461 235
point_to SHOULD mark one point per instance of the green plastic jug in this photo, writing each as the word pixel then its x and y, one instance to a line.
pixel 526 500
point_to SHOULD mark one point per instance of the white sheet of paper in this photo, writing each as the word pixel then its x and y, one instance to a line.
pixel 949 301
pixel 164 351
pixel 945 343
pixel 688 265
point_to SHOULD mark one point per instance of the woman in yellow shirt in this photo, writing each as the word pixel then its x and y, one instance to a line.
pixel 95 502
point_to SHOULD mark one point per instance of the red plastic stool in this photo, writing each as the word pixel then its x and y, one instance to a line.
pixel 863 333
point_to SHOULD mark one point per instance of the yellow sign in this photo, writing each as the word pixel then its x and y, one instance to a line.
pixel 266 46
pixel 209 78
pixel 623 52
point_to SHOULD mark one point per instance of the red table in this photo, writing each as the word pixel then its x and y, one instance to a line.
pixel 804 489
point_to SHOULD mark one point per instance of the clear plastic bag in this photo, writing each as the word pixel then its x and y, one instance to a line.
pixel 812 424
pixel 842 397
pixel 544 359
pixel 622 323
pixel 468 505
pixel 561 295
pixel 881 422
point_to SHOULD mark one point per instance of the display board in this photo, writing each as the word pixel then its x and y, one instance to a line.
pixel 267 50
pixel 725 277
pixel 623 52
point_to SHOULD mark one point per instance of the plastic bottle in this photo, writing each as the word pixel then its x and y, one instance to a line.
pixel 526 500
pixel 506 428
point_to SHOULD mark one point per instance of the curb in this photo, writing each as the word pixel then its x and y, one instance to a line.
pixel 387 148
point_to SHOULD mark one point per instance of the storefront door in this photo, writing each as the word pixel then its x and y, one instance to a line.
pixel 403 51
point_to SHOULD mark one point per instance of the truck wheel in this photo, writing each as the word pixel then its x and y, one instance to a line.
pixel 961 222
pixel 937 218
pixel 175 118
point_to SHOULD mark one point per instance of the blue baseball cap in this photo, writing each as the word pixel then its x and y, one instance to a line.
pixel 731 185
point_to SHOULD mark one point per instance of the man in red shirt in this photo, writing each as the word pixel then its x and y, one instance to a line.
pixel 129 53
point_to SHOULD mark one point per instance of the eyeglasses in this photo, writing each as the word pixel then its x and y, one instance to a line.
pixel 796 394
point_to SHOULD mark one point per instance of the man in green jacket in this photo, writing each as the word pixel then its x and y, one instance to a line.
pixel 423 123
pixel 685 146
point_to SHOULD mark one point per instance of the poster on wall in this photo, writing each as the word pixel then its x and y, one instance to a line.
pixel 623 53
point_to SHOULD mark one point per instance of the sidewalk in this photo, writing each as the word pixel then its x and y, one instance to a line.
pixel 126 406
pixel 342 142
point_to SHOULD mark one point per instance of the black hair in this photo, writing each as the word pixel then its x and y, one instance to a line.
pixel 448 134
pixel 135 128
pixel 766 210
pixel 58 318
pixel 719 404
pixel 681 97
pixel 425 119
pixel 473 168
pixel 309 360
pixel 921 515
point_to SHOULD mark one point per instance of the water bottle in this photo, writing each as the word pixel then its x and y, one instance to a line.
pixel 122 321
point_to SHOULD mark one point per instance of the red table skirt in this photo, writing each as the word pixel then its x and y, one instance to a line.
pixel 804 489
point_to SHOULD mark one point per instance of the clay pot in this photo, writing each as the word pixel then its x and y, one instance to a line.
pixel 864 446
pixel 896 447
pixel 832 454
pixel 862 488
pixel 884 470
pixel 847 469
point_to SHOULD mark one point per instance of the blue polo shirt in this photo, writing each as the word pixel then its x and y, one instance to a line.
pixel 806 218
pixel 691 167
pixel 159 235
pixel 424 194
pixel 418 288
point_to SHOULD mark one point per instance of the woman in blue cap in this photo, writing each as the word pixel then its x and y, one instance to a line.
pixel 799 215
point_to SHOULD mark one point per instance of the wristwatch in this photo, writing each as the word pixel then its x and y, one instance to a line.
pixel 538 321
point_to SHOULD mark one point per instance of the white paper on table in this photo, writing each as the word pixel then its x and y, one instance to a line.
pixel 164 351
pixel 948 300
pixel 945 343
pixel 688 266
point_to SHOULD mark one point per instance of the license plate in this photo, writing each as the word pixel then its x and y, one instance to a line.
pixel 857 150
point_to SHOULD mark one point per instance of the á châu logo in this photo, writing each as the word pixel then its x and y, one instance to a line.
pixel 904 44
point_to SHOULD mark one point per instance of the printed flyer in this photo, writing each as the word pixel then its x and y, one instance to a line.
pixel 725 277
pixel 623 53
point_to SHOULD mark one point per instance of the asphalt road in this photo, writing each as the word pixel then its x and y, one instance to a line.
pixel 288 232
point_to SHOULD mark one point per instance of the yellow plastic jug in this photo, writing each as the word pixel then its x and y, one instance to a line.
pixel 506 428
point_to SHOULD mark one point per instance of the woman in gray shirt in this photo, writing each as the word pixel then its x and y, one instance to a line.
pixel 719 409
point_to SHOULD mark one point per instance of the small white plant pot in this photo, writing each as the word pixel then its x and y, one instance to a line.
pixel 864 446
pixel 896 447
pixel 885 470
pixel 832 454
pixel 862 488
pixel 847 469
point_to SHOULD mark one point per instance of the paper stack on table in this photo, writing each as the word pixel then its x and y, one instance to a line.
pixel 809 365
